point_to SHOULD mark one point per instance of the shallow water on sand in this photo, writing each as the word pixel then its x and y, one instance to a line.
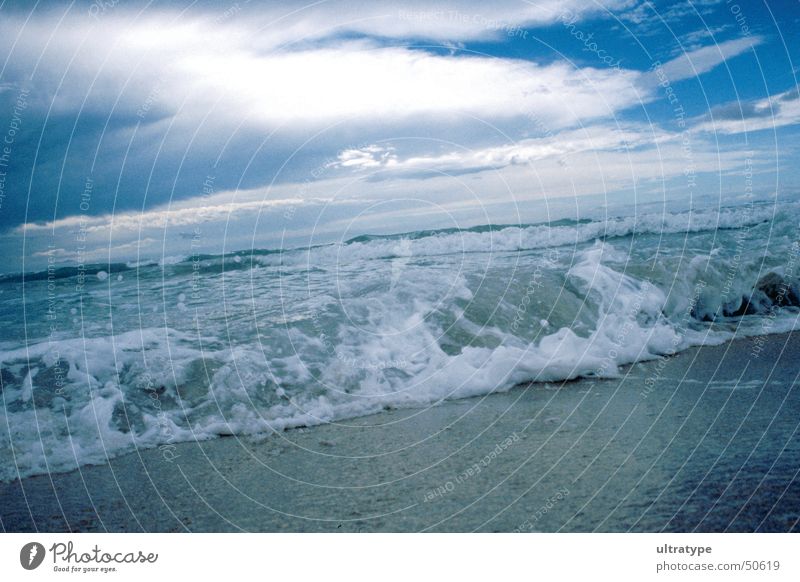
pixel 714 448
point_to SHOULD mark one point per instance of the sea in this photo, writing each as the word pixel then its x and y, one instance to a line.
pixel 100 360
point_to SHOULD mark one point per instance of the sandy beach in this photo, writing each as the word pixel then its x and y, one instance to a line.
pixel 703 441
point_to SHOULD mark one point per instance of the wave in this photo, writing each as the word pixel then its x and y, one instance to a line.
pixel 482 238
pixel 68 272
pixel 348 330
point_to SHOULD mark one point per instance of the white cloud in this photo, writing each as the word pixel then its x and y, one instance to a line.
pixel 440 20
pixel 362 82
pixel 696 62
pixel 699 38
pixel 264 71
pixel 223 207
pixel 648 16
pixel 221 74
pixel 771 112
pixel 372 156
pixel 596 138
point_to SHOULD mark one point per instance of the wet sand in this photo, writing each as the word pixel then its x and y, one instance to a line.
pixel 704 441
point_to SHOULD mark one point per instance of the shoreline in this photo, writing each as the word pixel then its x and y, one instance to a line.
pixel 712 447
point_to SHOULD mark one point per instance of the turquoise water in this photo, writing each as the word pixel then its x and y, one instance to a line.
pixel 102 359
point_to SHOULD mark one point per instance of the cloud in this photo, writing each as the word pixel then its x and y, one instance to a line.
pixel 135 99
pixel 698 38
pixel 295 22
pixel 164 217
pixel 596 138
pixel 372 156
pixel 289 214
pixel 696 62
pixel 771 112
pixel 261 95
pixel 648 17
pixel 203 72
pixel 198 71
pixel 608 157
pixel 740 110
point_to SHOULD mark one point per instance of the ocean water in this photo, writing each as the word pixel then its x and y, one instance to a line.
pixel 100 360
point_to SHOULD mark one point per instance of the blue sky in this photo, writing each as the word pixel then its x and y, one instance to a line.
pixel 143 130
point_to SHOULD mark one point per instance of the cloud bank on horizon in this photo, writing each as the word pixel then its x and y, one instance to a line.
pixel 130 128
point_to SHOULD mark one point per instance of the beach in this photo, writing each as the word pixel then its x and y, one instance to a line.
pixel 705 440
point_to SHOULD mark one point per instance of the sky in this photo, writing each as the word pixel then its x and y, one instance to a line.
pixel 133 131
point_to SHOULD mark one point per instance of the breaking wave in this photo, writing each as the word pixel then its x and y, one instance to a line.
pixel 252 342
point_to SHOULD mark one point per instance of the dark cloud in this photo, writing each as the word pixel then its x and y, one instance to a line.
pixel 740 110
